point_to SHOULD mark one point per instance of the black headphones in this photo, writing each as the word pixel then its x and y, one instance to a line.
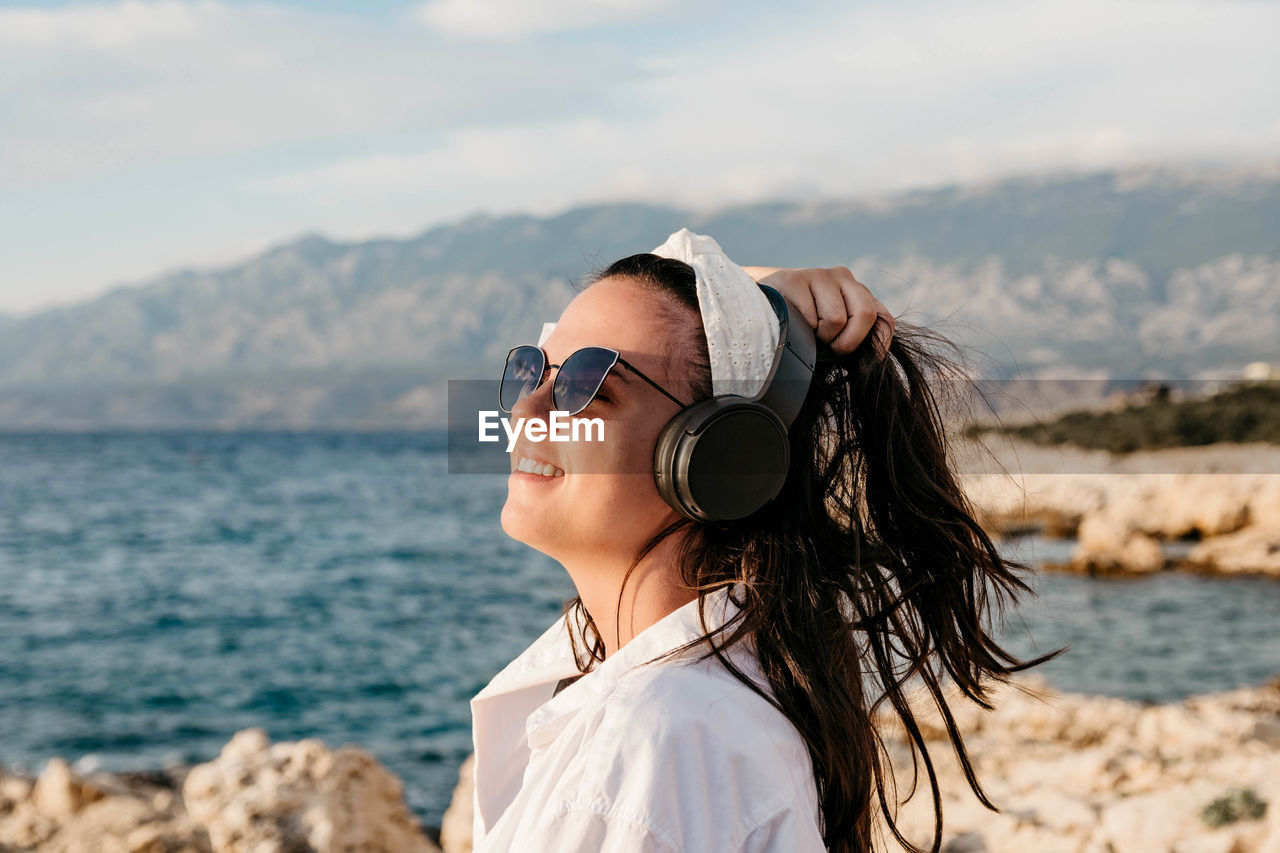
pixel 724 458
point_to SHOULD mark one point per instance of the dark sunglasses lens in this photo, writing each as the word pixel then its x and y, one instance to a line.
pixel 521 375
pixel 580 377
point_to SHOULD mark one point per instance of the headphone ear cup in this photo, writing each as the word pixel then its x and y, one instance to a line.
pixel 721 459
pixel 670 447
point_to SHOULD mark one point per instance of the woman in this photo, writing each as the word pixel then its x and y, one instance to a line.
pixel 714 684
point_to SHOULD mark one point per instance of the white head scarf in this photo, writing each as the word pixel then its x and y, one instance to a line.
pixel 742 329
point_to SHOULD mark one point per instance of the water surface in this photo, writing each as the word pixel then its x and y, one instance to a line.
pixel 160 591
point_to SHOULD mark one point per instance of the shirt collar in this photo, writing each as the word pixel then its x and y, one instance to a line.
pixel 498 713
pixel 522 691
pixel 550 657
pixel 677 628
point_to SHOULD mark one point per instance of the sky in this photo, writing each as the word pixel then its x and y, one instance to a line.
pixel 141 136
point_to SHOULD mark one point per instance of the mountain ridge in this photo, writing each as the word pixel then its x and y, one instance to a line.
pixel 1159 271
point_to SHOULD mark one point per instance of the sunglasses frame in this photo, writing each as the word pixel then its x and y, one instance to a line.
pixel 546 372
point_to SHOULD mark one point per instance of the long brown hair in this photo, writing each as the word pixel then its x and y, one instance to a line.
pixel 868 569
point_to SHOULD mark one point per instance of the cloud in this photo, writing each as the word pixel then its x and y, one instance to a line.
pixel 875 95
pixel 94 88
pixel 159 131
pixel 876 99
pixel 109 27
pixel 513 19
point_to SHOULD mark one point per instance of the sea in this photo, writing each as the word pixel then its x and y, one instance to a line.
pixel 160 591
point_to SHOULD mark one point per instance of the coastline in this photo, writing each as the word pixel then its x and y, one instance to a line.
pixel 1070 772
pixel 254 796
pixel 1080 773
pixel 1212 509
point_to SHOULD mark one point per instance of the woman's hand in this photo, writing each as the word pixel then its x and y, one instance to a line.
pixel 840 308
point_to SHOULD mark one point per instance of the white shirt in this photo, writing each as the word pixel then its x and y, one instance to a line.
pixel 666 757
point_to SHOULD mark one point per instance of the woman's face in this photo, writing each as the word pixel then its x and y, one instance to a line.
pixel 606 501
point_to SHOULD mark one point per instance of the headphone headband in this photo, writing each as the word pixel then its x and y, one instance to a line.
pixel 725 457
pixel 788 384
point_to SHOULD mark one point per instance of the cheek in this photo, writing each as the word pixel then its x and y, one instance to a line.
pixel 609 500
pixel 616 512
pixel 627 446
pixel 619 470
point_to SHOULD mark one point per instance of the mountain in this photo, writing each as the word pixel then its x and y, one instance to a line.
pixel 1133 273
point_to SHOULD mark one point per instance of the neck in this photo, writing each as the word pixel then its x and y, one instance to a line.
pixel 653 591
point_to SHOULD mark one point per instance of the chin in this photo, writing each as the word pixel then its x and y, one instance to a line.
pixel 527 523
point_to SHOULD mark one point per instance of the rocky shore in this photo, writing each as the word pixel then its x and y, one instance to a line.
pixel 1071 773
pixel 255 797
pixel 1209 509
pixel 1083 774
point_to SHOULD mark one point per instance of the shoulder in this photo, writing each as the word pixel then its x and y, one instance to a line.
pixel 702 706
pixel 697 755
pixel 703 702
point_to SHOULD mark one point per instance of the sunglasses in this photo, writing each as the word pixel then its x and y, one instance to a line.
pixel 577 382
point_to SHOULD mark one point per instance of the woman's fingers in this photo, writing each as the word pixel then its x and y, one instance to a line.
pixel 860 306
pixel 831 306
pixel 800 295
pixel 839 308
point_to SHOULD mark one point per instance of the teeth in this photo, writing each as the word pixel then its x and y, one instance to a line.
pixel 532 466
